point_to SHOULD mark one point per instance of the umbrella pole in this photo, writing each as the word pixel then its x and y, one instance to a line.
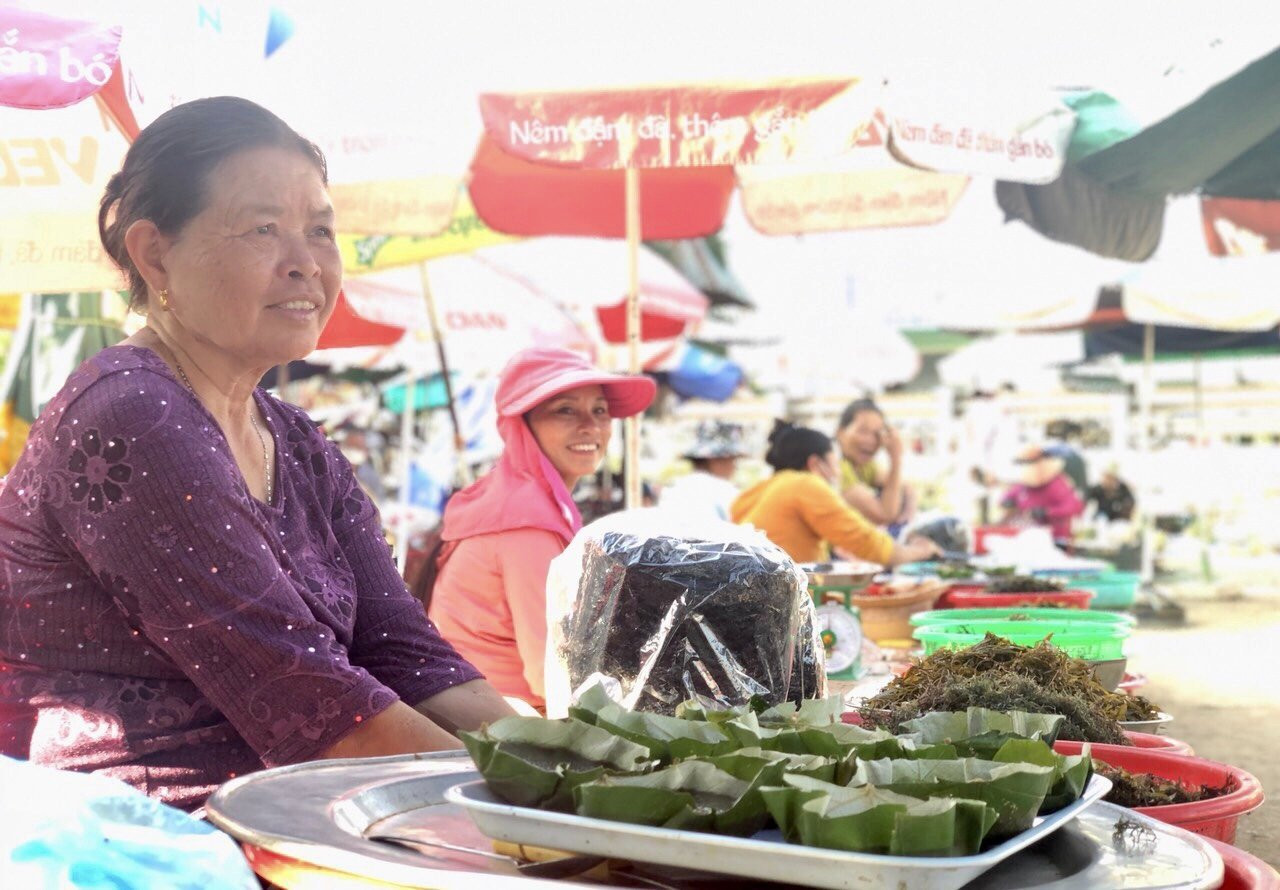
pixel 631 426
pixel 406 469
pixel 459 443
pixel 1144 443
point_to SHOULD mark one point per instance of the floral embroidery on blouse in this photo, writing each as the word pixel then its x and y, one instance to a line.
pixel 101 471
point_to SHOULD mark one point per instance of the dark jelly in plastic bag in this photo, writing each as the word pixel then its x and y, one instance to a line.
pixel 664 617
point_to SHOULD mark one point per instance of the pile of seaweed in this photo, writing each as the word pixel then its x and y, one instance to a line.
pixel 1145 790
pixel 1025 584
pixel 1004 676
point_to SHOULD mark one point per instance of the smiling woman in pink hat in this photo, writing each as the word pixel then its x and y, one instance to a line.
pixel 555 414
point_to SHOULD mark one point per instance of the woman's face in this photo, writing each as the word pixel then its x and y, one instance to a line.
pixel 573 430
pixel 256 273
pixel 860 439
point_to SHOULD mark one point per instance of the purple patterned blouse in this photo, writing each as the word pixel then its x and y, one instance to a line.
pixel 160 624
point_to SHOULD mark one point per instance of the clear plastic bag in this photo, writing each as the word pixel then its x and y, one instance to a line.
pixel 662 609
pixel 79 830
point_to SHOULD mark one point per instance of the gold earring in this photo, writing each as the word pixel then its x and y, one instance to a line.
pixel 163 294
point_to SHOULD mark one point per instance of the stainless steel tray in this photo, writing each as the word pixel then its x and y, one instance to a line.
pixel 764 856
pixel 322 813
pixel 1158 726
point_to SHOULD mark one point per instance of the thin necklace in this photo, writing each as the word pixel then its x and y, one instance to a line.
pixel 253 419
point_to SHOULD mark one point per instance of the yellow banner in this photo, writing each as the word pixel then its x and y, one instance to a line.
pixel 467 232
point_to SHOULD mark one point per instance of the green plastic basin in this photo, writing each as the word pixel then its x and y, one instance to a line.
pixel 1001 614
pixel 1094 642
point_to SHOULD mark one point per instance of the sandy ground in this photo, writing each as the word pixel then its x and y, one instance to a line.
pixel 1219 675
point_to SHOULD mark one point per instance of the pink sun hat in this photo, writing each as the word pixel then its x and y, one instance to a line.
pixel 535 375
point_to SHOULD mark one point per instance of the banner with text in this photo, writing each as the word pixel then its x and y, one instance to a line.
pixel 1018 138
pixel 48 62
pixel 685 126
pixel 54 166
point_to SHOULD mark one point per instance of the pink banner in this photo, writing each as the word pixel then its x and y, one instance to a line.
pixel 690 126
pixel 48 62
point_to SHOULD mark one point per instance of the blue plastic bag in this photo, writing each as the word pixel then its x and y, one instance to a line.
pixel 64 829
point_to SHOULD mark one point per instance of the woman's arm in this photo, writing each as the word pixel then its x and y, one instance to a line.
pixel 871 506
pixel 195 567
pixel 524 558
pixel 833 521
pixel 430 726
pixel 394 640
pixel 398 729
pixel 468 706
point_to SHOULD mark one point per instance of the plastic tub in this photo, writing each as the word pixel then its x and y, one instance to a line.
pixel 887 616
pixel 961 616
pixel 1244 871
pixel 1217 818
pixel 1158 742
pixel 1072 599
pixel 1093 642
pixel 1112 590
pixel 982 532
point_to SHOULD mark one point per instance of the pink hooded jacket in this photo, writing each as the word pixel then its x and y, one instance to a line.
pixel 502 532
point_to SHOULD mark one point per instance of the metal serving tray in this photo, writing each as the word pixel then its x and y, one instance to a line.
pixel 764 856
pixel 323 813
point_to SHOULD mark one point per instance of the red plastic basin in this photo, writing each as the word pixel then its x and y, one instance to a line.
pixel 980 599
pixel 1158 742
pixel 1244 871
pixel 1216 818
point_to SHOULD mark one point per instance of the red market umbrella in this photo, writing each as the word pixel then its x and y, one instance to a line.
pixel 348 328
pixel 662 162
pixel 576 163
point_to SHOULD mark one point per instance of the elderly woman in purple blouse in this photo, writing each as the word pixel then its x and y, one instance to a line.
pixel 192 584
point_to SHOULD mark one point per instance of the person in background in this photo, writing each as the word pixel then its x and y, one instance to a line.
pixel 555 416
pixel 358 451
pixel 800 509
pixel 1044 495
pixel 1111 497
pixel 194 585
pixel 709 489
pixel 879 494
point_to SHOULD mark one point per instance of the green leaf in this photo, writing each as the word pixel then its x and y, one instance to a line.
pixel 942 727
pixel 694 795
pixel 667 738
pixel 1070 773
pixel 836 740
pixel 816 712
pixel 1014 791
pixel 873 820
pixel 748 763
pixel 692 710
pixel 535 762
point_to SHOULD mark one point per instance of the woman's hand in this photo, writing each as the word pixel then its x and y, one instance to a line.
pixel 914 550
pixel 892 443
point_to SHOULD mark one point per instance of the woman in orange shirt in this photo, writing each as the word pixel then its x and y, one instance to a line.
pixel 555 415
pixel 799 507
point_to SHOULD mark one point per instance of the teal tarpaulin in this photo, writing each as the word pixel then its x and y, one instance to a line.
pixel 428 393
